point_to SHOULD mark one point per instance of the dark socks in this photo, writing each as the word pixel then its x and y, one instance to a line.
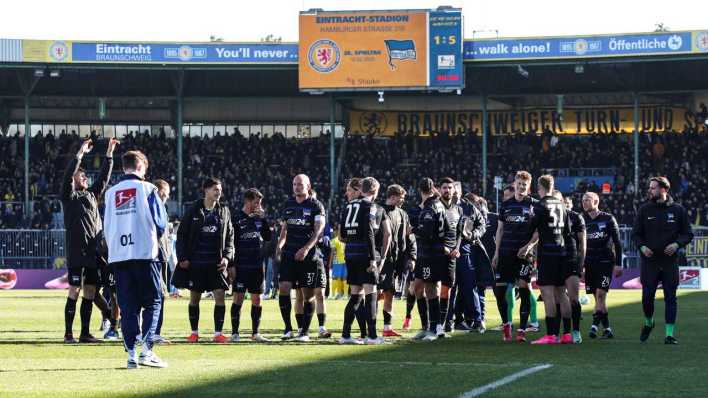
pixel 361 318
pixel 69 313
pixel 553 325
pixel 410 302
pixel 193 317
pixel 85 314
pixel 371 302
pixel 605 320
pixel 596 318
pixel 444 304
pixel 575 314
pixel 502 305
pixel 308 310
pixel 219 313
pixel 349 314
pixel 434 313
pixel 321 319
pixel 298 320
pixel 566 325
pixel 285 308
pixel 423 312
pixel 525 309
pixel 235 317
pixel 256 318
pixel 387 317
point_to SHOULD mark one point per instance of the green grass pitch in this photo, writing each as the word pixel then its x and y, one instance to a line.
pixel 35 363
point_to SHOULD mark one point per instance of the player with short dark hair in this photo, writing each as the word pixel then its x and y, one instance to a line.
pixel 166 254
pixel 366 229
pixel 513 231
pixel 439 247
pixel 550 225
pixel 83 226
pixel 300 257
pixel 661 228
pixel 205 246
pixel 402 253
pixel 603 259
pixel 247 271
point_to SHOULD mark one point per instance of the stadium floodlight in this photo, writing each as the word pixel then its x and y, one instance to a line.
pixel 381 96
pixel 579 68
pixel 39 73
pixel 55 73
pixel 522 72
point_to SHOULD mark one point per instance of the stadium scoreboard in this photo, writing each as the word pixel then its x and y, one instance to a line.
pixel 381 50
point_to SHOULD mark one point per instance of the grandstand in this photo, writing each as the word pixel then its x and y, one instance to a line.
pixel 599 118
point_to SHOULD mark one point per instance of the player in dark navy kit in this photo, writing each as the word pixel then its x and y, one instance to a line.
pixel 300 258
pixel 402 253
pixel 603 259
pixel 450 198
pixel 513 231
pixel 483 267
pixel 575 258
pixel 438 246
pixel 550 225
pixel 247 271
pixel 365 228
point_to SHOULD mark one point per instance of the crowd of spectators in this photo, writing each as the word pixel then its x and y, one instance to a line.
pixel 269 163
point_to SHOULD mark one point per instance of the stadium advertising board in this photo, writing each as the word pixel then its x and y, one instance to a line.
pixel 572 121
pixel 377 50
pixel 662 43
pixel 158 53
pixel 697 252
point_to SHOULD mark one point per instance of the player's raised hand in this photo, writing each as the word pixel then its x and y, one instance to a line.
pixel 85 148
pixel 111 147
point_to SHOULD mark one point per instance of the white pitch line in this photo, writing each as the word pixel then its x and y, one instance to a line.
pixel 506 380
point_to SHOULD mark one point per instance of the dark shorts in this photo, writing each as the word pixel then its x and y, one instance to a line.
pixel 108 276
pixel 551 271
pixel 598 276
pixel 572 268
pixel 200 278
pixel 357 273
pixel 512 268
pixel 306 274
pixel 79 276
pixel 391 275
pixel 437 269
pixel 250 280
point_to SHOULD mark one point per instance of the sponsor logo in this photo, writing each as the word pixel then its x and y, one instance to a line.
pixel 296 221
pixel 324 56
pixel 597 235
pixel 515 219
pixel 446 62
pixel 702 41
pixel 185 53
pixel 210 229
pixel 125 199
pixel 675 42
pixel 250 235
pixel 59 51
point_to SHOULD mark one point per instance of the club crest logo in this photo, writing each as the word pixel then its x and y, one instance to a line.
pixel 324 56
pixel 372 122
pixel 59 51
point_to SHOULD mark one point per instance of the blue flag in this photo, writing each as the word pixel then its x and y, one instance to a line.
pixel 400 49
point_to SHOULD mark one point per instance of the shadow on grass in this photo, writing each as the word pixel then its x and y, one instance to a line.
pixel 442 368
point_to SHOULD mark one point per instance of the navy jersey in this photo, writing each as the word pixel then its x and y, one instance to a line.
pixel 250 232
pixel 472 226
pixel 431 229
pixel 489 239
pixel 300 225
pixel 516 218
pixel 453 230
pixel 577 226
pixel 360 225
pixel 207 249
pixel 551 221
pixel 603 240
